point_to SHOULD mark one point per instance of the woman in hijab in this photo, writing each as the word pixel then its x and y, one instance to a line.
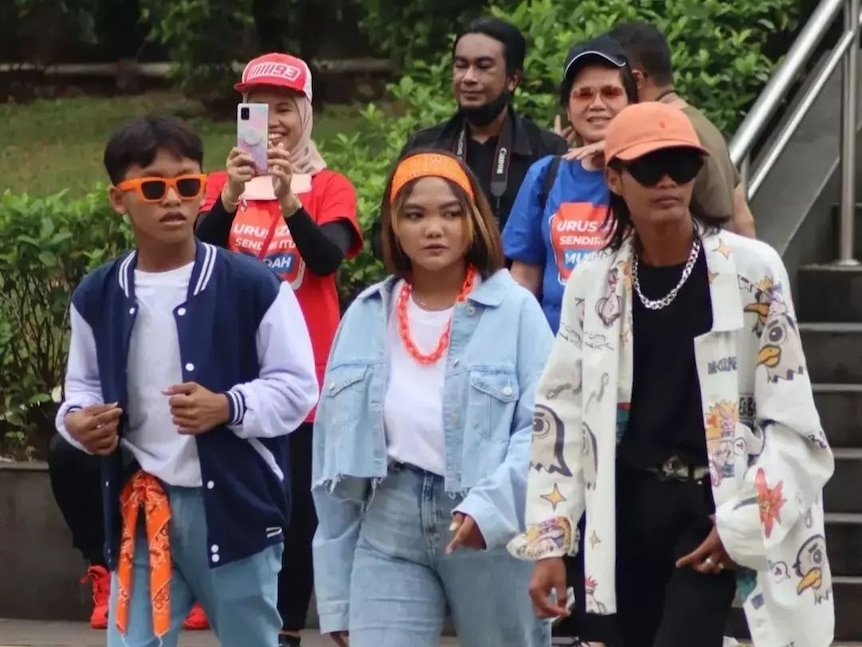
pixel 298 217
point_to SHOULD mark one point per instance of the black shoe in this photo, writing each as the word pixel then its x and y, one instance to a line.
pixel 289 641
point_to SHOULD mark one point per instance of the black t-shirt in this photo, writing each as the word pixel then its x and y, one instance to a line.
pixel 666 416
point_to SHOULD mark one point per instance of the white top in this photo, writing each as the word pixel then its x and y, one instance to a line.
pixel 153 365
pixel 413 405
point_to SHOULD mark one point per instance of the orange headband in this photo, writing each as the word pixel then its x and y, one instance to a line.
pixel 429 165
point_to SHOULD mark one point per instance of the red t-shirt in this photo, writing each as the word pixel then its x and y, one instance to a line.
pixel 332 197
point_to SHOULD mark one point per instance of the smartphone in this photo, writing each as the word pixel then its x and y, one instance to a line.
pixel 252 132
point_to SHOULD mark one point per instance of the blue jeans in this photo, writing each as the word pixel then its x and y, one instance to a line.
pixel 239 598
pixel 403 582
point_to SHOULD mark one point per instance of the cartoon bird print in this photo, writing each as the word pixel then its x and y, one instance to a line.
pixel 765 291
pixel 590 458
pixel 780 351
pixel 545 538
pixel 593 604
pixel 547 423
pixel 812 567
pixel 610 307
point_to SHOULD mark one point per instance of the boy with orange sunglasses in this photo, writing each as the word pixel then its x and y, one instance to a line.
pixel 180 379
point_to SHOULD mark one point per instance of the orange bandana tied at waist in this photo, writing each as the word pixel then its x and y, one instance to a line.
pixel 429 165
pixel 144 491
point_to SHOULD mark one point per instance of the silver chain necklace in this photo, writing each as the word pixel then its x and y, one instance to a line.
pixel 665 301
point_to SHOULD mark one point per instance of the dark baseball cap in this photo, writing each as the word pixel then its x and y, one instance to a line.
pixel 599 49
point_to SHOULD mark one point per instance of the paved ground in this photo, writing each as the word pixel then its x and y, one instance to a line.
pixel 29 633
pixel 21 633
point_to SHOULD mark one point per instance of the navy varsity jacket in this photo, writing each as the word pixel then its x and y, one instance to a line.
pixel 241 332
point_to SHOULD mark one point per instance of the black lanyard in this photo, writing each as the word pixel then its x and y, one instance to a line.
pixel 502 157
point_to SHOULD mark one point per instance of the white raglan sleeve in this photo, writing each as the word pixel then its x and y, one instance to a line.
pixel 82 387
pixel 286 390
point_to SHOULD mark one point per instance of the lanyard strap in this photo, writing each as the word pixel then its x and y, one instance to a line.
pixel 502 157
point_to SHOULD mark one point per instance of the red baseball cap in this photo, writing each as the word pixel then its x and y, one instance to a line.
pixel 276 70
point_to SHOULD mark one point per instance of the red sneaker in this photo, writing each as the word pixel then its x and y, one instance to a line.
pixel 101 582
pixel 197 619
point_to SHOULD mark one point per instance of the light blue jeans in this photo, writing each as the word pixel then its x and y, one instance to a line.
pixel 403 582
pixel 239 598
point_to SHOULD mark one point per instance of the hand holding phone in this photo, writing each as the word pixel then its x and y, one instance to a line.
pixel 240 171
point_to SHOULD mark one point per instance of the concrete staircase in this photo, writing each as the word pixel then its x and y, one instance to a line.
pixel 829 308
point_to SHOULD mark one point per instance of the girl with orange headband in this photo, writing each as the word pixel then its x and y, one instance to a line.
pixel 421 440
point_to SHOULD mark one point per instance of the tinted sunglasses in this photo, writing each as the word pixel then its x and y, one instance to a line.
pixel 606 92
pixel 680 164
pixel 154 189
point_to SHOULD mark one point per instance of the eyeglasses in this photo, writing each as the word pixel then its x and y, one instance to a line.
pixel 154 189
pixel 680 164
pixel 588 94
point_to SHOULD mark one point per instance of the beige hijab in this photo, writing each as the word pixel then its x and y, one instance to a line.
pixel 305 157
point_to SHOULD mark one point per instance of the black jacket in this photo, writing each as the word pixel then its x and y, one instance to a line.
pixel 531 143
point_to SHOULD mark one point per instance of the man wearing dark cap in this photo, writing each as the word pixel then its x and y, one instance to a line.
pixel 497 144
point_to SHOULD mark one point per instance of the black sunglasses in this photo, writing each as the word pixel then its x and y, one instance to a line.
pixel 680 164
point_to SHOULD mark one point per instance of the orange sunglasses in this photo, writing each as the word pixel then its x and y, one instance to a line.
pixel 154 189
pixel 588 95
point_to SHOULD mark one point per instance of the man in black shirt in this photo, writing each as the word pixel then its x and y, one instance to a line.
pixel 498 144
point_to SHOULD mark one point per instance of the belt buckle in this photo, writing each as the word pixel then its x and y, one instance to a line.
pixel 674 468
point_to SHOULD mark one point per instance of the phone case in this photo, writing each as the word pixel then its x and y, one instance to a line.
pixel 252 134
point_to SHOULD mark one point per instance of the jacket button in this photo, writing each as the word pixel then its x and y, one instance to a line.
pixel 181 312
pixel 190 367
pixel 131 311
pixel 214 548
pixel 507 390
pixel 210 485
pixel 471 311
pixel 215 558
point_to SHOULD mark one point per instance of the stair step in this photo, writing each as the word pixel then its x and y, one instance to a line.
pixel 830 293
pixel 842 492
pixel 833 352
pixel 844 542
pixel 840 409
pixel 844 519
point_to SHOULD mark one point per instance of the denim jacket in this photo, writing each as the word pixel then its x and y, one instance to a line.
pixel 499 342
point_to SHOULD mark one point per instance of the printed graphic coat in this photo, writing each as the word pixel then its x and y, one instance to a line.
pixel 768 456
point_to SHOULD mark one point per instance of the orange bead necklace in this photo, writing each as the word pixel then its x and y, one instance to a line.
pixel 404 323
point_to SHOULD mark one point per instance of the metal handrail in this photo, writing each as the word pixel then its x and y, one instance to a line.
pixel 775 92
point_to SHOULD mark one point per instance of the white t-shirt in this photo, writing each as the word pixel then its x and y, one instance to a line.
pixel 413 405
pixel 154 364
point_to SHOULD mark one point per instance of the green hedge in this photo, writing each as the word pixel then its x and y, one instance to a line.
pixel 50 243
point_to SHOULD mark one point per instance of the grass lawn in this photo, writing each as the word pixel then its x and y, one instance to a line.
pixel 47 146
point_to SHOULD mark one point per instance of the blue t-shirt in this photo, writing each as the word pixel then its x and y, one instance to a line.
pixel 558 237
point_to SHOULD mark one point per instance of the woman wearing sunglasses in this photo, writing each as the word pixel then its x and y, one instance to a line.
pixel 690 435
pixel 558 215
pixel 423 429
pixel 298 217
